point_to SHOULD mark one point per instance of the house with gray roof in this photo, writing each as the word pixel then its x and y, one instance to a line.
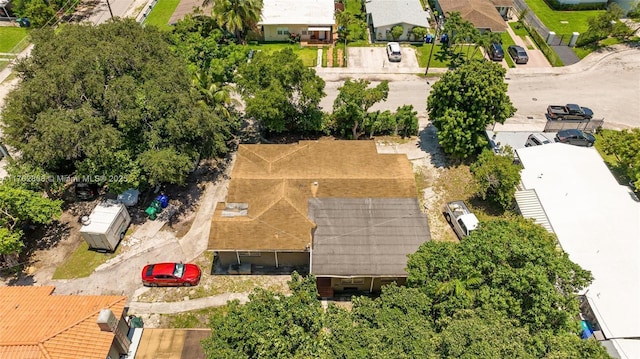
pixel 383 15
pixel 362 244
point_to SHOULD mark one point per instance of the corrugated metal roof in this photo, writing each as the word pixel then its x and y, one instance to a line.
pixel 172 343
pixel 365 236
pixel 35 324
pixel 392 12
pixel 530 207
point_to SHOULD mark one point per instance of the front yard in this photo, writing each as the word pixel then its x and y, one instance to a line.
pixel 440 58
pixel 562 22
pixel 308 55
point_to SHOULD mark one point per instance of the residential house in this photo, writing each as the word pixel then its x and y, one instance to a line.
pixel 383 15
pixel 485 15
pixel 36 324
pixel 280 196
pixel 313 20
pixel 597 222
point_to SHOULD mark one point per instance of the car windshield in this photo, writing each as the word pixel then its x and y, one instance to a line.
pixel 149 271
pixel 179 270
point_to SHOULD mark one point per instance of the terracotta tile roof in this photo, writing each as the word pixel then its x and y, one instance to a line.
pixel 276 181
pixel 36 324
pixel 481 13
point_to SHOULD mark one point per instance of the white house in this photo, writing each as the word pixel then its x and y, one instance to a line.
pixel 383 15
pixel 313 20
pixel 597 222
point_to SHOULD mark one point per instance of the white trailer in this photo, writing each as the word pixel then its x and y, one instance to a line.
pixel 106 226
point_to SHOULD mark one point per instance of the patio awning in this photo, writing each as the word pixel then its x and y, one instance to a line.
pixel 325 28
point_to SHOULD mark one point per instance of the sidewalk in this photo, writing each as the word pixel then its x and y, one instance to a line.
pixel 186 305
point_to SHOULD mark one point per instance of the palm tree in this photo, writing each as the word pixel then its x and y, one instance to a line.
pixel 463 288
pixel 236 16
pixel 215 94
pixel 485 40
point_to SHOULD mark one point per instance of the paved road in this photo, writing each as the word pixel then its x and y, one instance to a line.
pixel 608 82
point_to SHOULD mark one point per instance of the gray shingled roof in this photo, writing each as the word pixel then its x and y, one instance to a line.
pixel 392 12
pixel 365 236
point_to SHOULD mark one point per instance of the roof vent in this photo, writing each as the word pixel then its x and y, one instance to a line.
pixel 107 321
pixel 85 220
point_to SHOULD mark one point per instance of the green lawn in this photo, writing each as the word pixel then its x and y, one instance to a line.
pixel 161 14
pixel 562 22
pixel 10 37
pixel 308 55
pixel 439 58
pixel 506 42
pixel 82 262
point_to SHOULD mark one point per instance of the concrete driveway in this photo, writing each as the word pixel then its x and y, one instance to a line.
pixel 536 57
pixel 376 58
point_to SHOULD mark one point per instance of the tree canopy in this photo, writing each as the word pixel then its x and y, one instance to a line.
pixel 464 101
pixel 509 265
pixel 281 93
pixel 20 206
pixel 625 147
pixel 110 101
pixel 351 106
pixel 497 176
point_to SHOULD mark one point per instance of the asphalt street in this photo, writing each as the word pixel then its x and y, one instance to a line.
pixel 608 82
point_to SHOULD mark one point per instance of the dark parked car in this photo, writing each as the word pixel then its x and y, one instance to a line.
pixel 495 52
pixel 86 191
pixel 171 274
pixel 518 54
pixel 575 137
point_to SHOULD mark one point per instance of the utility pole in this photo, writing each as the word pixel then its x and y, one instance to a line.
pixel 110 12
pixel 433 44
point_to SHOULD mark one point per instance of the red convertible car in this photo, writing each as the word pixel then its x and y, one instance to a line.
pixel 170 274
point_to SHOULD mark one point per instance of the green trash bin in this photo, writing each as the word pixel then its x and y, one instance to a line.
pixel 154 208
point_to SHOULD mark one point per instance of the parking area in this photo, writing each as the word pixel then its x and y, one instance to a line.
pixel 515 139
pixel 376 58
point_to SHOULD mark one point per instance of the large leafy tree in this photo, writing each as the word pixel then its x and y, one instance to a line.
pixel 353 102
pixel 625 147
pixel 281 93
pixel 271 325
pixel 395 325
pixel 110 101
pixel 511 266
pixel 464 101
pixel 497 176
pixel 19 206
pixel 237 17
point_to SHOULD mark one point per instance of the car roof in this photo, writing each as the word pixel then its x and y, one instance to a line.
pixel 163 268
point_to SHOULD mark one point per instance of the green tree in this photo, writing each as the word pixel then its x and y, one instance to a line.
pixel 353 102
pixel 39 13
pixel 19 206
pixel 281 98
pixel 395 325
pixel 419 33
pixel 407 121
pixel 396 32
pixel 625 147
pixel 496 176
pixel 270 325
pixel 95 100
pixel 606 24
pixel 464 102
pixel 238 17
pixel 513 267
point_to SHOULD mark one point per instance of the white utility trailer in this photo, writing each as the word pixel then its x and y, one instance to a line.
pixel 106 226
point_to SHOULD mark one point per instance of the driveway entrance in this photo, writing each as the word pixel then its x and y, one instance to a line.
pixel 375 58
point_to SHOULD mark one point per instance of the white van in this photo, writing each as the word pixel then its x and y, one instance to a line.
pixel 393 52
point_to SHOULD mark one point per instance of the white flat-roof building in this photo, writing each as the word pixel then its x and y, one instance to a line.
pixel 597 222
pixel 312 19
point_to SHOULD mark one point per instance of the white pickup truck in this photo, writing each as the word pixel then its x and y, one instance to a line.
pixel 460 217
